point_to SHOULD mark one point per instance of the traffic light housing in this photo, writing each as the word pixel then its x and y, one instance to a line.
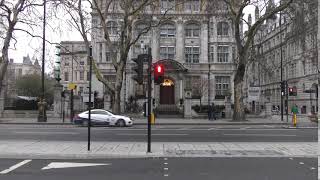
pixel 138 68
pixel 158 73
pixel 57 65
pixel 292 91
pixel 284 87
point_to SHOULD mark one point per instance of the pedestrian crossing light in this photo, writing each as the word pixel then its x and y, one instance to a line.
pixel 159 74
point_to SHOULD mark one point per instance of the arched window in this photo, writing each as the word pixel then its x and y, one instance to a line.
pixel 223 29
pixel 167 30
pixel 143 29
pixel 112 27
pixel 192 30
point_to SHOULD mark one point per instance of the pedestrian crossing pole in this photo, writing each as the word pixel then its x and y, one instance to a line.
pixel 149 98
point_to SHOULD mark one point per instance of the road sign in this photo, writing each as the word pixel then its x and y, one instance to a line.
pixel 72 86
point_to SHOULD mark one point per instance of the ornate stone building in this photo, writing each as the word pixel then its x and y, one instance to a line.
pixel 294 43
pixel 17 70
pixel 195 44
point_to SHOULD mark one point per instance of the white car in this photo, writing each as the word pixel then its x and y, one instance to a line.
pixel 102 117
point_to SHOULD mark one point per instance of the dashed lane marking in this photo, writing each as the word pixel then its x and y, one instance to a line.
pixel 130 134
pixel 269 135
pixel 15 167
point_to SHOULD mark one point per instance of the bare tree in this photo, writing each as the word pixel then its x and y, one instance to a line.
pixel 128 12
pixel 12 15
pixel 236 8
pixel 200 89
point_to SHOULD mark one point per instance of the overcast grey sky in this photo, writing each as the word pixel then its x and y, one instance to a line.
pixel 33 46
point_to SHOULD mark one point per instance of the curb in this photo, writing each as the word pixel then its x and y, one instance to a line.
pixel 34 123
pixel 157 124
pixel 303 127
pixel 142 155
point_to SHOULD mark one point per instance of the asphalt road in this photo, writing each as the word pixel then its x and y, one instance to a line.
pixel 163 168
pixel 181 133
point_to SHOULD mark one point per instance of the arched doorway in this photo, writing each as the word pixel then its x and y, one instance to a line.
pixel 167 92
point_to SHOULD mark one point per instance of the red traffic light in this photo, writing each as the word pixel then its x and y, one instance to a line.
pixel 159 69
pixel 158 73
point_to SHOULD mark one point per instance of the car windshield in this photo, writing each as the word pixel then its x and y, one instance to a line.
pixel 104 112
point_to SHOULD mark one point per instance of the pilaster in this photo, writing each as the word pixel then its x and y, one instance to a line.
pixel 180 41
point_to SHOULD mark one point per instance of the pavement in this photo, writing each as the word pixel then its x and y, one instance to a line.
pixel 43 149
pixel 303 121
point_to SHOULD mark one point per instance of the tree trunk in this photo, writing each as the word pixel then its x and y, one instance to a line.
pixel 3 69
pixel 238 111
pixel 116 108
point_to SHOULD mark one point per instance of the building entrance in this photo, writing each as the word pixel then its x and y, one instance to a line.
pixel 167 92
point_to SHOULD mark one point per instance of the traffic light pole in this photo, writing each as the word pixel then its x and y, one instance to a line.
pixel 149 98
pixel 89 108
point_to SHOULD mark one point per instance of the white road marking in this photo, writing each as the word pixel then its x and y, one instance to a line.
pixel 128 134
pixel 15 167
pixel 29 132
pixel 312 168
pixel 56 165
pixel 212 129
pixel 291 158
pixel 271 135
pixel 166 175
pixel 301 163
pixel 165 163
pixel 166 169
pixel 165 159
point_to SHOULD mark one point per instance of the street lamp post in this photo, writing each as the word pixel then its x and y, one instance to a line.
pixel 42 117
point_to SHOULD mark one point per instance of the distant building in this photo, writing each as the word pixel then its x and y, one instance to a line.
pixel 17 70
pixel 296 47
pixel 74 68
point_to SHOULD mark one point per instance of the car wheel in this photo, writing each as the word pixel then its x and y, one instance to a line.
pixel 85 123
pixel 121 123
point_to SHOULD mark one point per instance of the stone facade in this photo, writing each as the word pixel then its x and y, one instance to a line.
pixel 74 65
pixel 199 45
pixel 297 50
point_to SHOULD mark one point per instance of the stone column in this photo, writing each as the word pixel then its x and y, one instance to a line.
pixel 66 105
pixel 180 41
pixel 57 100
pixel 268 109
pixel 188 104
pixel 107 102
pixel 204 42
pixel 155 44
pixel 229 111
